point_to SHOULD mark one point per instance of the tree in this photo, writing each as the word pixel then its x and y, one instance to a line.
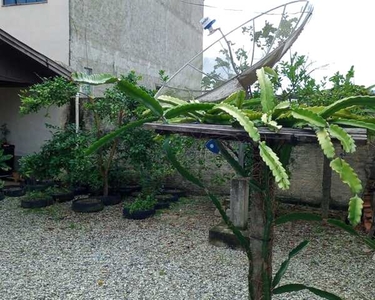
pixel 326 122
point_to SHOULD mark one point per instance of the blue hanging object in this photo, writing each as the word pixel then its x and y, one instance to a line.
pixel 212 146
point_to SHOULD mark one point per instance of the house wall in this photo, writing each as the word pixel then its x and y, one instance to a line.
pixel 42 26
pixel 116 36
pixel 28 132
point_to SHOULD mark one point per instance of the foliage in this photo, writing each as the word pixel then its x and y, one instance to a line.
pixel 2 184
pixel 141 203
pixel 35 195
pixel 4 133
pixel 275 116
pixel 56 91
pixel 62 158
pixel 296 83
pixel 280 115
pixel 142 151
pixel 53 190
pixel 3 159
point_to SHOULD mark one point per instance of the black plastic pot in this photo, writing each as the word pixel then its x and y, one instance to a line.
pixel 176 192
pixel 80 190
pixel 36 187
pixel 166 198
pixel 87 205
pixel 162 205
pixel 63 197
pixel 110 200
pixel 14 191
pixel 36 203
pixel 125 191
pixel 138 215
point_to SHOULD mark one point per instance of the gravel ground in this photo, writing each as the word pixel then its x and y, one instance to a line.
pixel 54 253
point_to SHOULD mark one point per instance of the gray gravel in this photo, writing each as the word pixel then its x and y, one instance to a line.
pixel 54 253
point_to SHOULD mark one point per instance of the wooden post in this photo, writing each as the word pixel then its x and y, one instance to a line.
pixel 239 202
pixel 261 226
pixel 326 187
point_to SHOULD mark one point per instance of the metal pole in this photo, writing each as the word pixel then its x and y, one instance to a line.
pixel 77 111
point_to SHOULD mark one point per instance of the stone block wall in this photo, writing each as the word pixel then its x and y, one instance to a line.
pixel 306 169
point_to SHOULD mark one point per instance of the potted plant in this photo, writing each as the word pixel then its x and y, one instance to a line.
pixel 60 194
pixel 142 208
pixel 7 149
pixel 175 193
pixel 164 200
pixel 36 199
pixel 87 205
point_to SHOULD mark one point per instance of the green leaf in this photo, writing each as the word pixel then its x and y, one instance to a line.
pixel 310 117
pixel 236 99
pixel 284 266
pixel 236 166
pixel 172 158
pixel 190 177
pixel 271 72
pixel 140 95
pixel 325 143
pixel 187 108
pixel 230 99
pixel 299 287
pixel 285 153
pixel 354 123
pixel 345 138
pixel 267 96
pixel 94 79
pixel 282 105
pixel 297 217
pixel 273 162
pixel 171 100
pixel 251 102
pixel 347 102
pixel 272 125
pixel 355 210
pixel 298 249
pixel 242 119
pixel 240 98
pixel 293 287
pixel 369 242
pixel 347 174
pixel 109 137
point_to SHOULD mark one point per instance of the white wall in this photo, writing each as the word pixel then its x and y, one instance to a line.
pixel 42 26
pixel 28 132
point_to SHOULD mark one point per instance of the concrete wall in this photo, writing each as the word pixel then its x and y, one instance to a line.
pixel 27 133
pixel 117 36
pixel 306 175
pixel 42 26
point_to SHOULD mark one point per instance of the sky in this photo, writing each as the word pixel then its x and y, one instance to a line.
pixel 339 34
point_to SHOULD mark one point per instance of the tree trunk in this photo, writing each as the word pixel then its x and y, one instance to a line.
pixel 260 229
pixel 326 187
pixel 105 184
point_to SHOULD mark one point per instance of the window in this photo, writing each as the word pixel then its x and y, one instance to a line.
pixel 18 2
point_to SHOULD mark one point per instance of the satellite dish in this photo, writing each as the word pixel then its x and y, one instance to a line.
pixel 229 64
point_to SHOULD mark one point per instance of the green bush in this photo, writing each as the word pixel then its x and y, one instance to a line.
pixel 141 203
pixel 36 195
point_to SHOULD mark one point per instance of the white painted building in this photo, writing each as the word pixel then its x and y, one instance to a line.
pixel 111 36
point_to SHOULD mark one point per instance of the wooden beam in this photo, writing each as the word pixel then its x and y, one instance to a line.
pixel 227 132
